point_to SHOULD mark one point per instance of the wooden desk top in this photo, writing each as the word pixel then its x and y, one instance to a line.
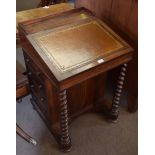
pixel 41 12
pixel 75 42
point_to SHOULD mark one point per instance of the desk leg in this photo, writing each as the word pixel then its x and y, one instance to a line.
pixel 117 94
pixel 65 141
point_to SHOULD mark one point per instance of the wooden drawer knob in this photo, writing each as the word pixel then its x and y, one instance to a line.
pixel 40 86
pixel 32 86
pixel 42 99
pixel 27 60
pixel 29 73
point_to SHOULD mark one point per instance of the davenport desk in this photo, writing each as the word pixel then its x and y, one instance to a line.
pixel 63 53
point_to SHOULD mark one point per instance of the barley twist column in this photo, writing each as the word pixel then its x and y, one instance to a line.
pixel 117 94
pixel 65 142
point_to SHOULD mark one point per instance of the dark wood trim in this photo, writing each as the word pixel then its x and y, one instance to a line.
pixel 65 141
pixel 117 94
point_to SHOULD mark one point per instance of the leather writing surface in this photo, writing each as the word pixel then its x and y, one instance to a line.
pixel 78 45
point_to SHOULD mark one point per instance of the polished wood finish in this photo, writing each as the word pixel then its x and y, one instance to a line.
pixel 122 16
pixel 40 12
pixel 116 99
pixel 80 97
pixel 65 142
pixel 77 87
pixel 36 84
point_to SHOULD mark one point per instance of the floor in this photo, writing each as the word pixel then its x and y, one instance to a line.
pixel 90 133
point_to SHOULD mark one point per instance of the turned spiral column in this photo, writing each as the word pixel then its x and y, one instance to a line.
pixel 117 94
pixel 65 142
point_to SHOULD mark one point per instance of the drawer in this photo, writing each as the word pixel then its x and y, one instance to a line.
pixel 33 70
pixel 37 87
pixel 41 103
pixel 36 79
pixel 36 84
pixel 39 95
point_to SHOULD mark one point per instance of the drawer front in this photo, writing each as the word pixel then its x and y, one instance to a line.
pixel 41 102
pixel 33 70
pixel 36 84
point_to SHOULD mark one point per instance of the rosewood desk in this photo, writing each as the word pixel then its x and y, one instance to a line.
pixel 63 53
